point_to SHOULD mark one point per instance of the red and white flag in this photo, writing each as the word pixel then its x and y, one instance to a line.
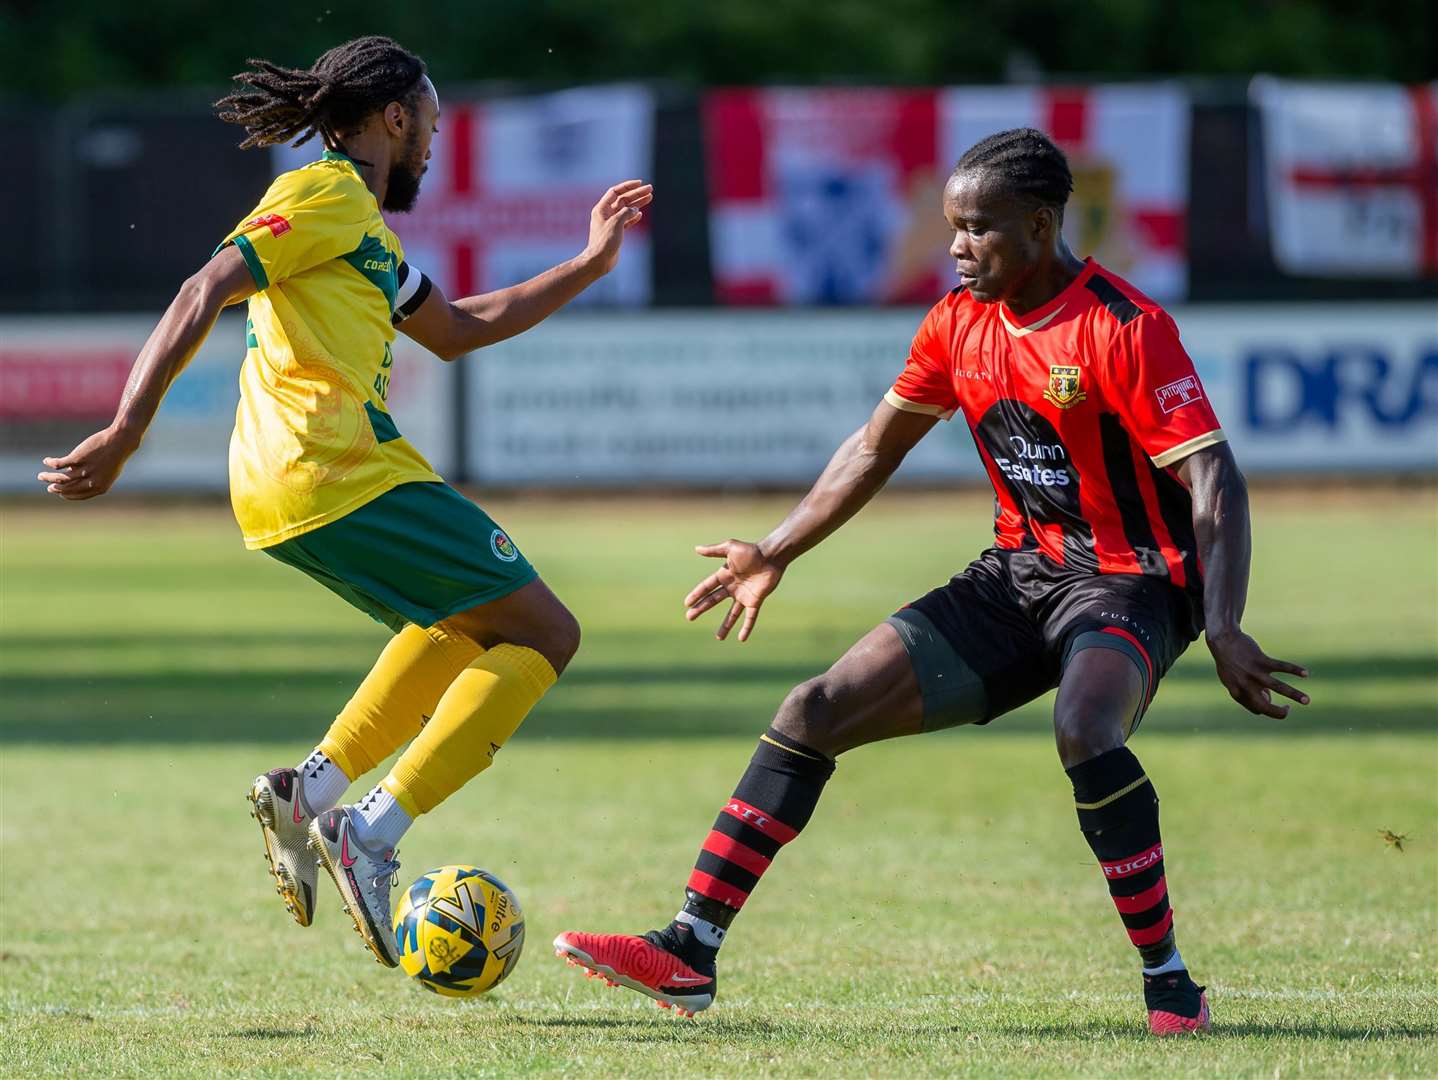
pixel 1352 172
pixel 810 192
pixel 1127 147
pixel 833 196
pixel 512 181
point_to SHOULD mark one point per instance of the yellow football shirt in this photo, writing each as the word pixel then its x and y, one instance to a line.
pixel 313 440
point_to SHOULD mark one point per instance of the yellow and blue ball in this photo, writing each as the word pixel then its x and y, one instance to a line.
pixel 459 931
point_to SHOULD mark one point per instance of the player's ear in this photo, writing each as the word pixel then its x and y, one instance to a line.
pixel 1045 223
pixel 395 118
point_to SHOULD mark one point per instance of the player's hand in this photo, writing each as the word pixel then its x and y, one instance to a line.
pixel 1247 673
pixel 621 207
pixel 747 577
pixel 91 468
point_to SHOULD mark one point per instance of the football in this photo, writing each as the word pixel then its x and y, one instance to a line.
pixel 459 931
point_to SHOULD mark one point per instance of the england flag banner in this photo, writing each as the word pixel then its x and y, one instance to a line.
pixel 1352 177
pixel 1127 147
pixel 833 196
pixel 511 183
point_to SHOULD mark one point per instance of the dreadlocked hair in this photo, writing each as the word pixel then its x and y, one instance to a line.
pixel 1025 162
pixel 345 85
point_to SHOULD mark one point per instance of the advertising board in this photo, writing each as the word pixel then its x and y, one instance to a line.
pixel 715 399
pixel 61 378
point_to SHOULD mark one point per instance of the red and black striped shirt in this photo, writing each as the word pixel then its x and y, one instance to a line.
pixel 1080 410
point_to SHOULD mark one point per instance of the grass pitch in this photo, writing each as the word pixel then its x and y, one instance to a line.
pixel 941 915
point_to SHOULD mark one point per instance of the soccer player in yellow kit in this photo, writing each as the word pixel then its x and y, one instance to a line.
pixel 321 478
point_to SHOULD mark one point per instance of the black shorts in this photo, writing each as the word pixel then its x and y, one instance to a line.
pixel 999 634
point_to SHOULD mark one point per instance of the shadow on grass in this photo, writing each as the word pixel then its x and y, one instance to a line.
pixel 598 698
pixel 660 1028
pixel 657 1030
pixel 1318 1030
pixel 594 668
pixel 1304 1029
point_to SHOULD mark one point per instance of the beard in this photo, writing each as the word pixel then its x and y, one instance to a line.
pixel 402 185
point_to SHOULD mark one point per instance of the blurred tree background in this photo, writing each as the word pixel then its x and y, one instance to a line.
pixel 55 51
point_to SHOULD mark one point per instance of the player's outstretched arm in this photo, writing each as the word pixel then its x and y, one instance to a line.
pixel 1220 521
pixel 854 475
pixel 93 467
pixel 451 328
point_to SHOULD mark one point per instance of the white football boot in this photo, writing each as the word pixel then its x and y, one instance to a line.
pixel 364 877
pixel 284 817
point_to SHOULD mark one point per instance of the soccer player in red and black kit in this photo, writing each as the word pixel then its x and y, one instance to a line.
pixel 1121 532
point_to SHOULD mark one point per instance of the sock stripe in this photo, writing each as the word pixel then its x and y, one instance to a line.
pixel 784 778
pixel 1142 901
pixel 726 847
pixel 714 889
pixel 759 820
pixel 792 750
pixel 1096 777
pixel 1130 886
pixel 1118 814
pixel 1114 797
pixel 726 871
pixel 1154 933
pixel 1126 867
pixel 751 838
pixel 1148 917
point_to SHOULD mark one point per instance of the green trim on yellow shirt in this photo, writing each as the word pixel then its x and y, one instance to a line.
pixel 252 260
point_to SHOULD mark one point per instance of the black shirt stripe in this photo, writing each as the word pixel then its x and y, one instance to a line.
pixel 1120 306
pixel 1176 508
pixel 1123 480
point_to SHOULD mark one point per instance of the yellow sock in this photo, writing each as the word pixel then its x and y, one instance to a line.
pixel 399 694
pixel 479 712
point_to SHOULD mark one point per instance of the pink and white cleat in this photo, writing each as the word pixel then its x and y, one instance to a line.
pixel 364 877
pixel 279 806
pixel 647 964
pixel 1176 1004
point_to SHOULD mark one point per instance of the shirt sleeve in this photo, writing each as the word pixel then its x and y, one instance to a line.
pixel 305 219
pixel 926 385
pixel 1156 391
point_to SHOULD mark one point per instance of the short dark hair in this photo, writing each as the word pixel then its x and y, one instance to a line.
pixel 345 85
pixel 1025 162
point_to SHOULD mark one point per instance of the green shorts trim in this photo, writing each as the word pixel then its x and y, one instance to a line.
pixel 419 553
pixel 953 692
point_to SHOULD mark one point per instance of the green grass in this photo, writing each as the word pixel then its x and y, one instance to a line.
pixel 941 915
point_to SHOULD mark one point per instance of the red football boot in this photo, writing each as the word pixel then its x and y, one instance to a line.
pixel 648 964
pixel 1176 1004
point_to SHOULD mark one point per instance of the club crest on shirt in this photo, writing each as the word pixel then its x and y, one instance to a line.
pixel 1063 388
pixel 503 547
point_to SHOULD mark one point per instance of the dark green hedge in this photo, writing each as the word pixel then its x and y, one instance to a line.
pixel 60 50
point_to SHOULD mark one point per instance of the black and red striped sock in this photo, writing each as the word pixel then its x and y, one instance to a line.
pixel 1118 813
pixel 774 800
